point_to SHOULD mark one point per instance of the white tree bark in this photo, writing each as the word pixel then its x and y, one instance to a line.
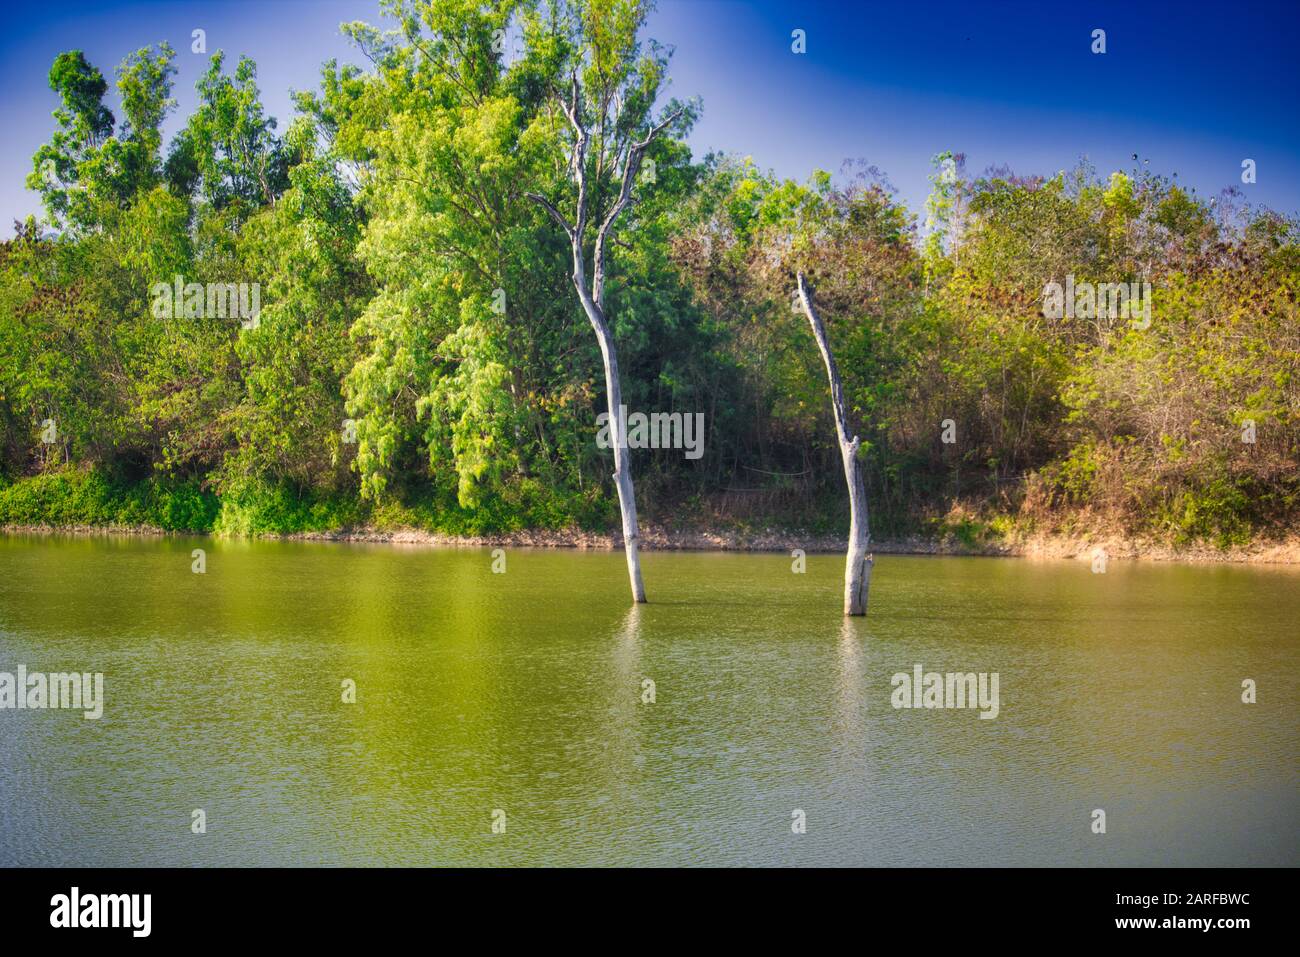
pixel 857 569
pixel 593 304
pixel 622 469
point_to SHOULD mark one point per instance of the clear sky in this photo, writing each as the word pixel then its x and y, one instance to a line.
pixel 1195 87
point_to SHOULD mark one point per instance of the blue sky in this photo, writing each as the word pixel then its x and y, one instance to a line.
pixel 1193 87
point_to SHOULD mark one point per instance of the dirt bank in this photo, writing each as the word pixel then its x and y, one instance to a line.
pixel 1046 546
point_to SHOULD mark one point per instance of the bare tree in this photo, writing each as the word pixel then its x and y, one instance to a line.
pixel 857 569
pixel 628 157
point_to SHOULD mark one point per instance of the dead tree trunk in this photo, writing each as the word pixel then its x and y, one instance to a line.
pixel 622 469
pixel 593 300
pixel 857 570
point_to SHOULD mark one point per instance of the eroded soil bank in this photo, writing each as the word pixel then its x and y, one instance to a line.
pixel 1047 546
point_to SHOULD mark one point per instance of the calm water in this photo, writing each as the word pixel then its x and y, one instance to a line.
pixel 522 691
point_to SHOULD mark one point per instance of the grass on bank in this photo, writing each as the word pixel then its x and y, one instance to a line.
pixel 93 498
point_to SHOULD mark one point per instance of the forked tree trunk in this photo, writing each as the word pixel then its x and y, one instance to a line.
pixel 593 300
pixel 857 569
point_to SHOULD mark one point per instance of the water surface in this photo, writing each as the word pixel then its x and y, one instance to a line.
pixel 523 692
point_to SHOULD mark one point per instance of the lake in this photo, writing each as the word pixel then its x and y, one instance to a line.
pixel 505 718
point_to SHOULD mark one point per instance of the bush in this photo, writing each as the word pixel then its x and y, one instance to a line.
pixel 91 497
pixel 255 508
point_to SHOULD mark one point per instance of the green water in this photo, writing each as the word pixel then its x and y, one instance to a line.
pixel 523 692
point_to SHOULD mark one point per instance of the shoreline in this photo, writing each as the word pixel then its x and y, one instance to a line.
pixel 1039 546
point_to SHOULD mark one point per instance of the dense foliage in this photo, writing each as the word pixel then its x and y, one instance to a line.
pixel 419 357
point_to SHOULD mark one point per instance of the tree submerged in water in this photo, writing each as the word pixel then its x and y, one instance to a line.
pixel 858 562
pixel 610 91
